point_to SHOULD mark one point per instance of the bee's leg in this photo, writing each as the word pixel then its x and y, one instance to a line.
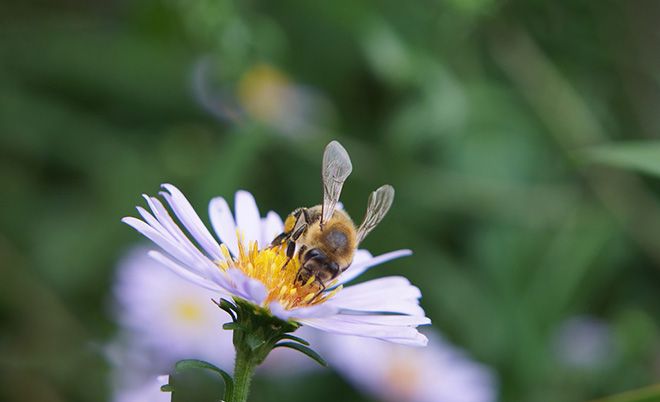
pixel 291 245
pixel 305 213
pixel 298 232
pixel 279 239
pixel 301 252
pixel 298 229
pixel 299 217
pixel 319 292
pixel 290 251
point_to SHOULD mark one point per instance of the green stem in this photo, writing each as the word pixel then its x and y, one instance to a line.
pixel 243 371
pixel 256 333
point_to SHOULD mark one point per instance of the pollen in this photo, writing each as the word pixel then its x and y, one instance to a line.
pixel 278 273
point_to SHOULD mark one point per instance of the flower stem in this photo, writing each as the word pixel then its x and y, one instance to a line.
pixel 256 333
pixel 243 371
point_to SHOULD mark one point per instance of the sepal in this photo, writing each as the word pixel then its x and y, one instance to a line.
pixel 304 350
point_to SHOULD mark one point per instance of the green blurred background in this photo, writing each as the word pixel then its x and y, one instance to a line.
pixel 498 122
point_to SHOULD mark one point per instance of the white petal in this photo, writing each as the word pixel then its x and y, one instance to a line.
pixel 186 273
pixel 419 340
pixel 248 288
pixel 153 222
pixel 220 277
pixel 361 256
pixel 407 308
pixel 168 226
pixel 405 335
pixel 248 219
pixel 384 306
pixel 163 241
pixel 187 215
pixel 271 226
pixel 390 320
pixel 223 223
pixel 318 311
pixel 359 267
pixel 390 294
pixel 164 222
pixel 387 288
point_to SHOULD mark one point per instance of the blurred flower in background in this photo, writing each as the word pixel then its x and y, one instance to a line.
pixel 585 342
pixel 395 373
pixel 149 391
pixel 168 316
pixel 164 318
pixel 263 94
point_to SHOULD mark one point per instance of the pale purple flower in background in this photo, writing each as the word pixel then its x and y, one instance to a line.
pixel 148 391
pixel 386 308
pixel 395 373
pixel 165 318
pixel 584 342
pixel 162 319
pixel 134 369
pixel 170 316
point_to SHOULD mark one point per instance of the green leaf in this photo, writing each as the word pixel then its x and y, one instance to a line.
pixel 648 394
pixel 303 349
pixel 639 156
pixel 200 364
pixel 295 339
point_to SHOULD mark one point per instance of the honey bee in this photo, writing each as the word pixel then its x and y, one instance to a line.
pixel 326 237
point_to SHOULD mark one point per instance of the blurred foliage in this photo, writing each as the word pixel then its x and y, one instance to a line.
pixel 643 156
pixel 485 115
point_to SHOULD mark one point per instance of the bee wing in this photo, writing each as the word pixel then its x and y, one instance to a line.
pixel 336 168
pixel 379 203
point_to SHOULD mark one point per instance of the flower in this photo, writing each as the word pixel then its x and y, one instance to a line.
pixel 168 317
pixel 390 372
pixel 149 391
pixel 584 342
pixel 244 267
pixel 164 318
pixel 263 94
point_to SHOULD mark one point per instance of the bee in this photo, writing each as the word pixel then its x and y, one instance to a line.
pixel 326 237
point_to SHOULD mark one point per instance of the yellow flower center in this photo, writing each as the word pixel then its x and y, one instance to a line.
pixel 279 274
pixel 262 90
pixel 403 374
pixel 188 311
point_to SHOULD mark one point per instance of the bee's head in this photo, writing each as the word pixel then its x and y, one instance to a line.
pixel 316 262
